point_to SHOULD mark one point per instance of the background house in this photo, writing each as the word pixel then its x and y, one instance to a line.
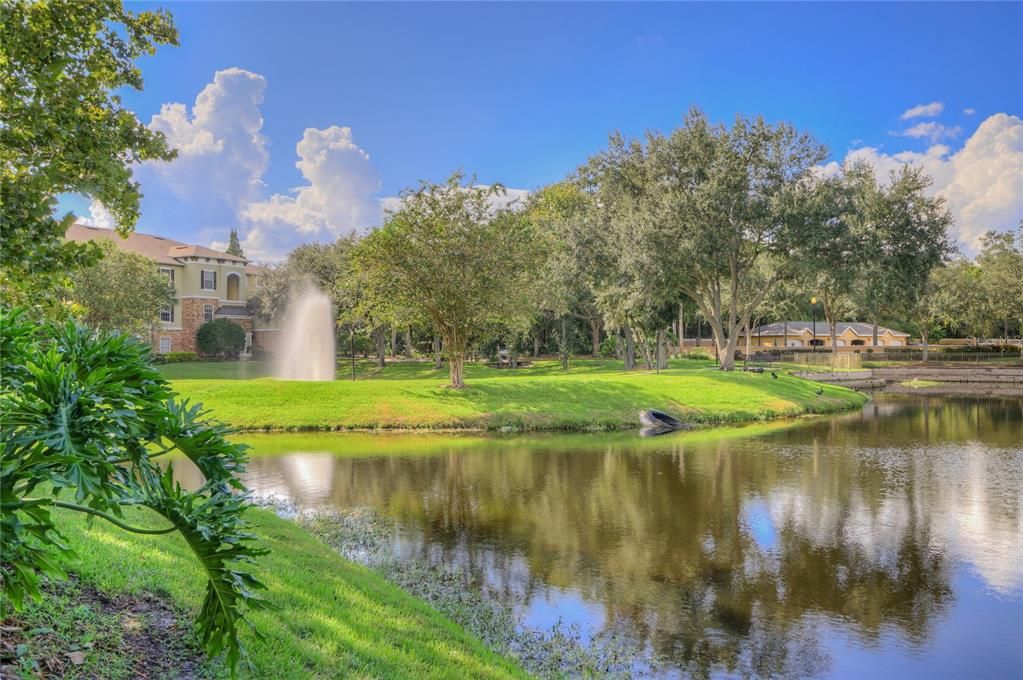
pixel 850 335
pixel 208 284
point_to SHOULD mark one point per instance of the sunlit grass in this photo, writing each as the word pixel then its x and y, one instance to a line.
pixel 330 617
pixel 593 394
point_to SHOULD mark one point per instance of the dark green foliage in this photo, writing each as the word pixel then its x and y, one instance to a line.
pixel 234 247
pixel 174 357
pixel 82 417
pixel 65 131
pixel 221 338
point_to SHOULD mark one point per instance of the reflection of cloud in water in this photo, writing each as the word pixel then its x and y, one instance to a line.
pixel 975 528
pixel 304 477
pixel 965 500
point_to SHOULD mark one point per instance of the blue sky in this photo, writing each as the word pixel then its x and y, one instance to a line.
pixel 522 93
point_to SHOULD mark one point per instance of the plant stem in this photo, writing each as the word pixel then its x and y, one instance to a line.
pixel 110 518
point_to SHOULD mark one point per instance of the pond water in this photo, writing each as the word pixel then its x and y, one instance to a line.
pixel 882 543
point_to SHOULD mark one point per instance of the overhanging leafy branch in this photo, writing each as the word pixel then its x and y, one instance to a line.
pixel 85 415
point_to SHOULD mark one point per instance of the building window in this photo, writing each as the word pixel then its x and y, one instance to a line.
pixel 209 280
pixel 165 344
pixel 169 273
pixel 167 314
pixel 207 312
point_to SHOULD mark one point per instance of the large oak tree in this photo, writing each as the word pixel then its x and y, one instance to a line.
pixel 697 210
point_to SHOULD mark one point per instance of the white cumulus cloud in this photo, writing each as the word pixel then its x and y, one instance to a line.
pixel 933 131
pixel 99 216
pixel 222 153
pixel 969 112
pixel 339 197
pixel 217 180
pixel 982 181
pixel 923 111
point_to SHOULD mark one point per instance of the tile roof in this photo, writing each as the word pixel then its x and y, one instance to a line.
pixel 823 328
pixel 158 248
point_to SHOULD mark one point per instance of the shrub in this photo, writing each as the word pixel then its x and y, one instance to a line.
pixel 609 347
pixel 83 415
pixel 174 357
pixel 698 353
pixel 221 338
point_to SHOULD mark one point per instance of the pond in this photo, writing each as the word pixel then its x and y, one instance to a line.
pixel 882 543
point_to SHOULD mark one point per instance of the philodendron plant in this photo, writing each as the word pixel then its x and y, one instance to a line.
pixel 84 419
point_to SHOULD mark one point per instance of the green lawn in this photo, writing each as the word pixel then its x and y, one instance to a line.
pixel 592 394
pixel 331 618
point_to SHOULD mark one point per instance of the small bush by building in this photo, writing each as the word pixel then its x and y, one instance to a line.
pixel 221 338
pixel 174 357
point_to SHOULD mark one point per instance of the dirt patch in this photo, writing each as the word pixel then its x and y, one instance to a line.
pixel 80 632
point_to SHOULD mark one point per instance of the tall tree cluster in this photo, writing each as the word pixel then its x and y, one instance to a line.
pixel 734 223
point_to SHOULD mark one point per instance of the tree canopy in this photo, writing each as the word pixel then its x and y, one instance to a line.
pixel 66 131
pixel 450 255
pixel 98 292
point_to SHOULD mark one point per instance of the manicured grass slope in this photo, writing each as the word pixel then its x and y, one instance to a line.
pixel 592 394
pixel 331 618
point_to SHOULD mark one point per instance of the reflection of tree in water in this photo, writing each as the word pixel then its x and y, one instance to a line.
pixel 719 555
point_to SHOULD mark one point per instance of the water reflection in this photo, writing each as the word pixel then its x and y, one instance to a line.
pixel 752 556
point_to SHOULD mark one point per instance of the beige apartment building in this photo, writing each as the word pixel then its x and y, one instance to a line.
pixel 208 284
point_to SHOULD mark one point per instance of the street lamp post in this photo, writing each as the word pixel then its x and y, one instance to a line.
pixel 813 312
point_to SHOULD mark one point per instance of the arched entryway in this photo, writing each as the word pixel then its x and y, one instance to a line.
pixel 233 284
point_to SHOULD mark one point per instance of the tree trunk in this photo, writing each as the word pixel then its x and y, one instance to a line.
pixel 436 352
pixel 643 341
pixel 408 343
pixel 630 349
pixel 681 331
pixel 785 335
pixel 454 347
pixel 923 339
pixel 748 334
pixel 727 355
pixel 596 323
pixel 381 338
pixel 875 334
pixel 662 350
pixel 536 344
pixel 394 342
pixel 563 341
pixel 456 363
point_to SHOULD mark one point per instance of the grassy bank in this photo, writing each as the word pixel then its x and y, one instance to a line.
pixel 592 394
pixel 331 618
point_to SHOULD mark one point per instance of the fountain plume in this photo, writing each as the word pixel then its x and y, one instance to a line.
pixel 307 343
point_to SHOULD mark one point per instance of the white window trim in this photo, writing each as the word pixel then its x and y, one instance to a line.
pixel 202 279
pixel 213 311
pixel 161 349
